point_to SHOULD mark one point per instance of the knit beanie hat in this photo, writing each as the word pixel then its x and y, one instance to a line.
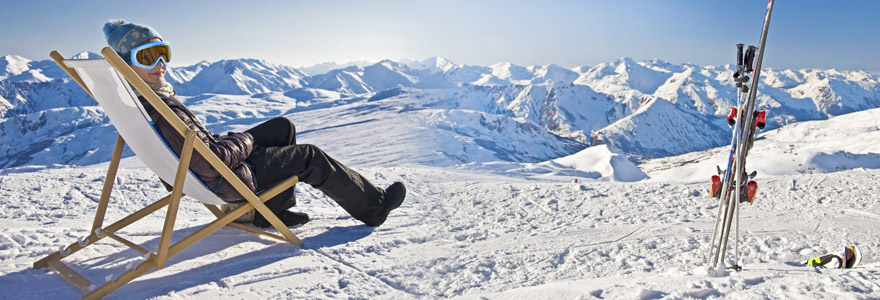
pixel 123 36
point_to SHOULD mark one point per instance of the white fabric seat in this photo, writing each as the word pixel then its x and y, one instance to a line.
pixel 125 111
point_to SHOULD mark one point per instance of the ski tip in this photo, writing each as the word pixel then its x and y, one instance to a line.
pixel 850 258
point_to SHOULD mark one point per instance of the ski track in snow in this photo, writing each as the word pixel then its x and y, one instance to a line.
pixel 460 234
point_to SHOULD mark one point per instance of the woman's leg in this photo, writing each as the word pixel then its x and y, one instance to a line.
pixel 277 132
pixel 354 193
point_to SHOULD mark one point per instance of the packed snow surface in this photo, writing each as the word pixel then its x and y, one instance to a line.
pixel 486 231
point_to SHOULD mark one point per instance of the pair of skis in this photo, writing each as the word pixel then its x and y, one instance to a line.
pixel 734 189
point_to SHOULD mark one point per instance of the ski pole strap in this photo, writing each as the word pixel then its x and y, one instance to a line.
pixel 821 261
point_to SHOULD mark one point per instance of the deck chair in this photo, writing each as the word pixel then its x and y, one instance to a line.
pixel 109 80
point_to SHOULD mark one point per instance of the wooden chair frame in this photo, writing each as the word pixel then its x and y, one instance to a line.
pixel 166 249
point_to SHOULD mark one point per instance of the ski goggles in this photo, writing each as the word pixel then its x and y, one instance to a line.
pixel 148 55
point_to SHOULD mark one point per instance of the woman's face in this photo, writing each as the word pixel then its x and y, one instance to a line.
pixel 155 75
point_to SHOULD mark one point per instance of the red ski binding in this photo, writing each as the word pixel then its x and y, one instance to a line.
pixel 716 186
pixel 760 119
pixel 752 190
pixel 731 118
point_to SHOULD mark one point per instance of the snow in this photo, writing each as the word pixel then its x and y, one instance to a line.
pixel 598 163
pixel 325 67
pixel 481 230
pixel 600 159
pixel 574 108
pixel 13 65
pixel 238 77
pixel 461 234
pixel 433 65
pixel 493 209
pixel 841 143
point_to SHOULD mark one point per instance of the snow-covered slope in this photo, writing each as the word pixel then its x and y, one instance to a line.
pixel 491 211
pixel 235 77
pixel 599 159
pixel 15 68
pixel 660 128
pixel 644 109
pixel 28 86
pixel 594 163
pixel 460 234
pixel 624 74
pixel 72 135
pixel 325 67
pixel 413 126
pixel 841 143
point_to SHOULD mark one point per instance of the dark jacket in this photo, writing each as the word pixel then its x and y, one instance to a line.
pixel 232 149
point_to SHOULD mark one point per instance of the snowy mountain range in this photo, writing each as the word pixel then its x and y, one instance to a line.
pixel 523 183
pixel 441 112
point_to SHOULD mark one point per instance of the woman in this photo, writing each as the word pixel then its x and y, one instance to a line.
pixel 262 156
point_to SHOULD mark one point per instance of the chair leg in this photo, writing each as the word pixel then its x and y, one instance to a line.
pixel 123 278
pixel 176 193
pixel 108 183
pixel 92 238
pixel 93 292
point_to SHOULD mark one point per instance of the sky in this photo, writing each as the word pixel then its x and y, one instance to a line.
pixel 843 35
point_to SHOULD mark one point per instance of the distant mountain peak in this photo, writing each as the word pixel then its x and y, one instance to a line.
pixel 435 64
pixel 324 67
pixel 86 55
pixel 626 60
pixel 235 77
pixel 645 109
pixel 13 65
pixel 501 65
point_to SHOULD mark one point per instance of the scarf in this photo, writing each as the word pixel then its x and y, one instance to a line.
pixel 163 89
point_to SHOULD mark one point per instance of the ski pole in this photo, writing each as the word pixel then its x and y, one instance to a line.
pixel 739 69
pixel 736 243
pixel 750 107
pixel 739 64
pixel 723 208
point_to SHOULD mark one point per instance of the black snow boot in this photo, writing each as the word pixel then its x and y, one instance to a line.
pixel 288 217
pixel 394 195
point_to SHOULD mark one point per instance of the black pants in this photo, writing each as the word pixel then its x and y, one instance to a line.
pixel 277 157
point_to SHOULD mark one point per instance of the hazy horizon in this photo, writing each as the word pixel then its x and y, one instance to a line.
pixel 803 34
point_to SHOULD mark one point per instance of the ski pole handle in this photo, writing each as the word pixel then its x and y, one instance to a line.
pixel 739 64
pixel 739 54
pixel 750 58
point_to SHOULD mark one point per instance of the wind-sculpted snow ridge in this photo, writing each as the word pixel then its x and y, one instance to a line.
pixel 642 110
pixel 594 163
